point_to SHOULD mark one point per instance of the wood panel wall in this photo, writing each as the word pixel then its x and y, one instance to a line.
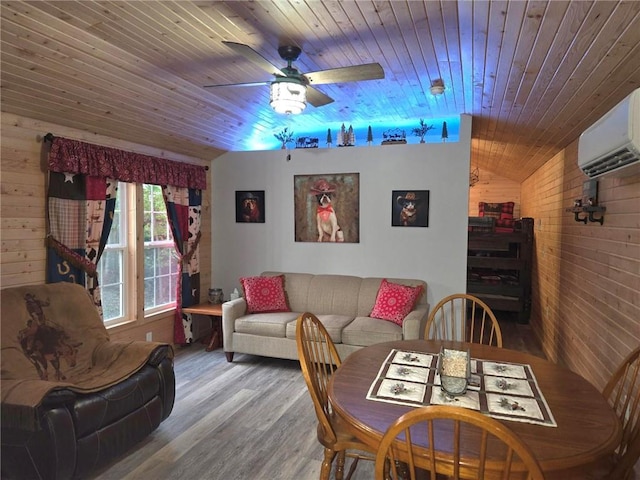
pixel 586 278
pixel 493 188
pixel 22 209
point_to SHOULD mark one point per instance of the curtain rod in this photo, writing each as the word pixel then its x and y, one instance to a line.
pixel 50 136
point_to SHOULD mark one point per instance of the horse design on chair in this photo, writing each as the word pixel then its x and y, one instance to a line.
pixel 45 344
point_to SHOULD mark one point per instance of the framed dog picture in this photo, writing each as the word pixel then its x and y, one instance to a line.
pixel 410 208
pixel 250 206
pixel 327 208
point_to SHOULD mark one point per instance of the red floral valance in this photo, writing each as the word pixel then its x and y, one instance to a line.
pixel 73 156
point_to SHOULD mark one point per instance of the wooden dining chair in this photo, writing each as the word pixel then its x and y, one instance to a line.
pixel 412 445
pixel 623 393
pixel 463 317
pixel 318 360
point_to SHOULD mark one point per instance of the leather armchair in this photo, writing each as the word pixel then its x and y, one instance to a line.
pixel 76 432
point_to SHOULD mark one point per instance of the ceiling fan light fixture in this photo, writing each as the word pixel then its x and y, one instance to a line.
pixel 437 87
pixel 288 96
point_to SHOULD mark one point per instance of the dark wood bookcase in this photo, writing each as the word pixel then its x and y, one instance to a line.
pixel 499 268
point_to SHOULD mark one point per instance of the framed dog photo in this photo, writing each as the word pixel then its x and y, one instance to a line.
pixel 250 206
pixel 327 207
pixel 410 208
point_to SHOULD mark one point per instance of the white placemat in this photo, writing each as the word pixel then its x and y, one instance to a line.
pixel 499 389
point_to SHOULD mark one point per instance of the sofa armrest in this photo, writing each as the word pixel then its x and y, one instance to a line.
pixel 48 453
pixel 414 323
pixel 151 352
pixel 159 353
pixel 58 398
pixel 168 386
pixel 231 310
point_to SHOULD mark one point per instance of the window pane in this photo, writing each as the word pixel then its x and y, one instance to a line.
pixel 164 260
pixel 164 294
pixel 111 305
pixel 158 201
pixel 149 293
pixel 160 276
pixel 149 262
pixel 111 267
pixel 160 260
pixel 147 226
pixel 161 283
pixel 160 227
pixel 114 235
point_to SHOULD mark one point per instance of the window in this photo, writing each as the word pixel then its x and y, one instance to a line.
pixel 112 267
pixel 139 208
pixel 160 259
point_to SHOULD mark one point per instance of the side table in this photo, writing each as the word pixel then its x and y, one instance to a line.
pixel 214 311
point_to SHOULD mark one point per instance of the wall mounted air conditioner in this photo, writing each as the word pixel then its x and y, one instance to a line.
pixel 611 146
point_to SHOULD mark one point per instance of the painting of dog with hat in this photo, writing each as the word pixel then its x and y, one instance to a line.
pixel 410 208
pixel 327 208
pixel 250 206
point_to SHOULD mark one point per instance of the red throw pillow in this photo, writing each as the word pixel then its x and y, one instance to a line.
pixel 395 301
pixel 502 212
pixel 265 294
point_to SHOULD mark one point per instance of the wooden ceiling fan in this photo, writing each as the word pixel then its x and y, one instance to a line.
pixel 292 85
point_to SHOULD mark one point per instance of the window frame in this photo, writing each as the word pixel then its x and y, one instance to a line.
pixel 167 244
pixel 133 262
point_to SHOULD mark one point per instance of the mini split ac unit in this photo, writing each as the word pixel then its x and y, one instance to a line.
pixel 611 146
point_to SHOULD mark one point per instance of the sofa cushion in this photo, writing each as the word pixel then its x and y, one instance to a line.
pixel 264 294
pixel 395 301
pixel 265 324
pixel 296 286
pixel 333 295
pixel 333 323
pixel 365 331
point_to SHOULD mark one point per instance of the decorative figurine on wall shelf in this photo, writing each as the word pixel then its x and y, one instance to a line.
pixel 346 138
pixel 369 136
pixel 394 136
pixel 445 134
pixel 285 136
pixel 307 142
pixel 422 130
pixel 329 140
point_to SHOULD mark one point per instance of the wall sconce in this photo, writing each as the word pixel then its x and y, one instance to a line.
pixel 588 204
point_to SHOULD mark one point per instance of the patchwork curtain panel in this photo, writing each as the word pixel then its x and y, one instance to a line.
pixel 81 199
pixel 80 212
pixel 184 212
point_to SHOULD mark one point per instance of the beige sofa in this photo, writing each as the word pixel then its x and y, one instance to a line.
pixel 343 304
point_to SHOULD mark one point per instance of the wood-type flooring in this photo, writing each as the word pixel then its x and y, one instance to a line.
pixel 251 419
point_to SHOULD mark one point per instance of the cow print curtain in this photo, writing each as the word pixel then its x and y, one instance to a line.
pixel 183 209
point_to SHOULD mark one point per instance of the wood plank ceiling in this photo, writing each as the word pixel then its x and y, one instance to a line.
pixel 533 74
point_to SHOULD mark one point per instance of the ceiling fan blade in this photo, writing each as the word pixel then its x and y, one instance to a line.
pixel 255 58
pixel 248 84
pixel 367 71
pixel 317 98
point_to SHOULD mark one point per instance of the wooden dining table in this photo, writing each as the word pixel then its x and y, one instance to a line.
pixel 584 439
